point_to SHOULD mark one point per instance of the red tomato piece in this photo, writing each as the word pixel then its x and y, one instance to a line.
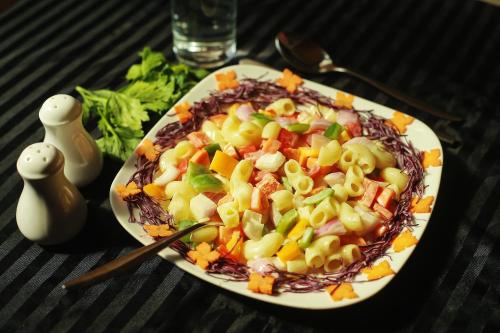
pixel 248 149
pixel 383 211
pixel 354 129
pixel 288 139
pixel 385 197
pixel 182 166
pixel 370 194
pixel 198 139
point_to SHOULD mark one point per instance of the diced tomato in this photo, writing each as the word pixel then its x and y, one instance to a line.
pixel 254 156
pixel 259 202
pixel 268 185
pixel 271 146
pixel 386 214
pixel 288 139
pixel 354 129
pixel 198 139
pixel 258 175
pixel 182 166
pixel 370 194
pixel 385 197
pixel 352 239
pixel 319 172
pixel 248 149
pixel 291 154
pixel 215 197
pixel 201 157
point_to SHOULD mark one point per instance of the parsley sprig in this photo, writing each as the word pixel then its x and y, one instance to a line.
pixel 153 87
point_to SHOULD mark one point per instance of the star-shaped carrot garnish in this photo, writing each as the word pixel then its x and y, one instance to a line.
pixel 154 191
pixel 289 81
pixel 182 112
pixel 226 80
pixel 432 158
pixel 261 284
pixel 343 100
pixel 161 230
pixel 401 121
pixel 403 241
pixel 126 191
pixel 203 255
pixel 148 150
pixel 341 291
pixel 378 271
pixel 422 205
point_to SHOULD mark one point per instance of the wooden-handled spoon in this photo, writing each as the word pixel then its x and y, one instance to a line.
pixel 132 259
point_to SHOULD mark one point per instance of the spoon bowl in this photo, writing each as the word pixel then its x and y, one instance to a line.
pixel 309 57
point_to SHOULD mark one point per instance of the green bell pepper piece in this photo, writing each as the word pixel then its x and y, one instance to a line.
pixel 318 197
pixel 287 221
pixel 333 131
pixel 286 184
pixel 195 169
pixel 212 148
pixel 298 128
pixel 260 118
pixel 183 225
pixel 206 183
pixel 307 238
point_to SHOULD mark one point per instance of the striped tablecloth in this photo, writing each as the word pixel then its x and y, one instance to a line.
pixel 444 52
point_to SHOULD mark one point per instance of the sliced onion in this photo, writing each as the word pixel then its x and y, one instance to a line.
pixel 332 227
pixel 284 122
pixel 362 140
pixel 334 178
pixel 346 117
pixel 369 219
pixel 319 124
pixel 261 265
pixel 243 112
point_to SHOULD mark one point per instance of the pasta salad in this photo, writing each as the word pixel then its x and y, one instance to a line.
pixel 309 191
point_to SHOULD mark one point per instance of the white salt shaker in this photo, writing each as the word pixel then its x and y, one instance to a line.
pixel 61 116
pixel 50 210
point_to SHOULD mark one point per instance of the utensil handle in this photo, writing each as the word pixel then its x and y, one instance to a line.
pixel 129 260
pixel 399 95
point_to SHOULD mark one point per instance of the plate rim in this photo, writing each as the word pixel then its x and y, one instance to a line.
pixel 181 263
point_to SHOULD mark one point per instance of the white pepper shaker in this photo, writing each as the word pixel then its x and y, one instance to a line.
pixel 50 210
pixel 61 116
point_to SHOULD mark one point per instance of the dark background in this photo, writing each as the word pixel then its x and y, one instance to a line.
pixel 444 52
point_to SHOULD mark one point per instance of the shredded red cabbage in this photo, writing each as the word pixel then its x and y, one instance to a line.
pixel 260 94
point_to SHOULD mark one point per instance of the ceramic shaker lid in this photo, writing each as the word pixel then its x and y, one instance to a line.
pixel 60 109
pixel 39 160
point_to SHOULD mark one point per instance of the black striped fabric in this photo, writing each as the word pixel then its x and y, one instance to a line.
pixel 444 52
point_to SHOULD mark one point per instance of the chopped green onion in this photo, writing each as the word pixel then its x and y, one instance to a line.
pixel 183 225
pixel 206 183
pixel 212 148
pixel 298 128
pixel 260 118
pixel 318 197
pixel 286 184
pixel 307 238
pixel 287 221
pixel 333 131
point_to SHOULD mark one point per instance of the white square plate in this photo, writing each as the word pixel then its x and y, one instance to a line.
pixel 422 137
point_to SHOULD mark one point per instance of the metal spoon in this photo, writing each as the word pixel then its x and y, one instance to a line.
pixel 310 57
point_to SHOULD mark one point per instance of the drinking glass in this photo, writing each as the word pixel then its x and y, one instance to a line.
pixel 204 31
